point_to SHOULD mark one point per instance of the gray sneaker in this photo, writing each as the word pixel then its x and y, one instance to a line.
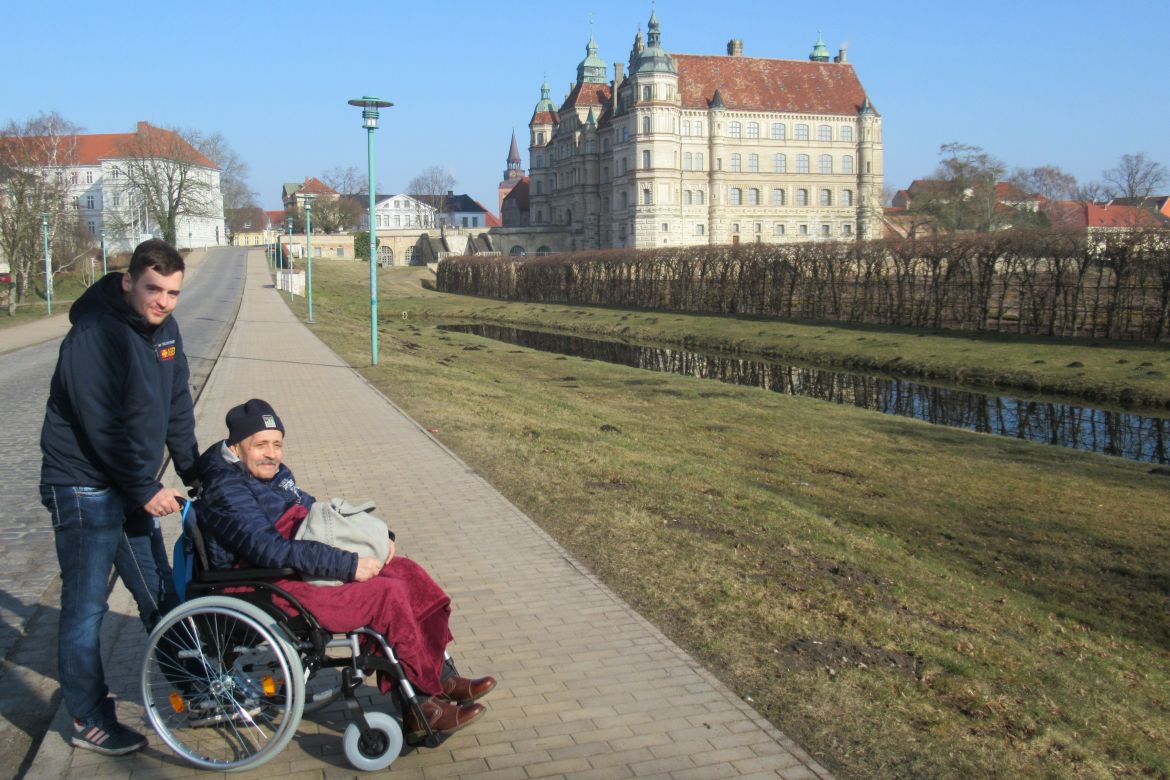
pixel 112 740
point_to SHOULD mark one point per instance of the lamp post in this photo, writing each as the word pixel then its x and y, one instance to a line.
pixel 370 106
pixel 290 261
pixel 48 263
pixel 105 269
pixel 188 236
pixel 309 250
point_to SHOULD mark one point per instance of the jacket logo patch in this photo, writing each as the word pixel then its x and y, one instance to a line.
pixel 167 353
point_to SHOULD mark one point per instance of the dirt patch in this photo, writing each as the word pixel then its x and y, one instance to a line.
pixel 835 472
pixel 616 483
pixel 835 655
pixel 607 428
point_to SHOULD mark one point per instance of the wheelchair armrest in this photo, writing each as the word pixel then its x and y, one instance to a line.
pixel 245 575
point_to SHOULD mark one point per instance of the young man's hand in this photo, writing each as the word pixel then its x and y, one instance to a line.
pixel 165 502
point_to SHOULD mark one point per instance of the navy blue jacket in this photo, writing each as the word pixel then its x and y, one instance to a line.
pixel 238 512
pixel 119 394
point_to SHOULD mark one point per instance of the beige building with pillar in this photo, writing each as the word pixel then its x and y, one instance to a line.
pixel 700 149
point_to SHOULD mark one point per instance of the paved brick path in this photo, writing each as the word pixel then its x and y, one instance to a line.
pixel 588 689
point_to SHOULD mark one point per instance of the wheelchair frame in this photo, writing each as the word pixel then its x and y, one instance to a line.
pixel 225 673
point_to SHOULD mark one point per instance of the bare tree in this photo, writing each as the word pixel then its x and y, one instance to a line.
pixel 1136 176
pixel 1091 192
pixel 961 196
pixel 347 181
pixel 1047 180
pixel 34 180
pixel 431 187
pixel 233 174
pixel 166 176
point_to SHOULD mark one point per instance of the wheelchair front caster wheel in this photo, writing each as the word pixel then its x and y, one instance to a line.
pixel 377 748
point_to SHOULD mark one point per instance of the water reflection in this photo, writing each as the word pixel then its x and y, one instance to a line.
pixel 1084 428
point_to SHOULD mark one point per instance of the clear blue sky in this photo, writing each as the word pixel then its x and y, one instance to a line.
pixel 1074 84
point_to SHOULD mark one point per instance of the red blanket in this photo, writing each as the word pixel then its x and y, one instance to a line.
pixel 402 603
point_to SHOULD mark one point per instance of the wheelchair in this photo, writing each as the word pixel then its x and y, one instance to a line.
pixel 228 674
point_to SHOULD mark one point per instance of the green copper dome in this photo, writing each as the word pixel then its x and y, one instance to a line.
pixel 545 103
pixel 654 58
pixel 820 52
pixel 591 70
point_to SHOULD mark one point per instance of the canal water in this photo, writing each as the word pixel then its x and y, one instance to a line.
pixel 1124 434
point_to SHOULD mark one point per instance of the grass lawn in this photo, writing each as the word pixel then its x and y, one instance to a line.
pixel 902 599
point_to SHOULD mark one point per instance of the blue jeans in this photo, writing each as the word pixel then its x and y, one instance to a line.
pixel 91 542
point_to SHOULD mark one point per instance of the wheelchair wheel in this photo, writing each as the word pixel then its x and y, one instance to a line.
pixel 377 748
pixel 221 684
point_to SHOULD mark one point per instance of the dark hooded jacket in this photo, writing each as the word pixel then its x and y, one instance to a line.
pixel 238 512
pixel 119 394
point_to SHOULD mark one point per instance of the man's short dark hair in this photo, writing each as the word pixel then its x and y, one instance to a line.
pixel 158 255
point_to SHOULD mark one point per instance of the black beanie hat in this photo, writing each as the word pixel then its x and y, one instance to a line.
pixel 249 418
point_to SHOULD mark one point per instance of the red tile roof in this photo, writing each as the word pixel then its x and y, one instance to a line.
pixel 758 84
pixel 545 118
pixel 587 94
pixel 314 186
pixel 92 149
pixel 1078 214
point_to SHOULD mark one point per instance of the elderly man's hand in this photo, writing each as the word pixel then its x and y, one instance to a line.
pixel 367 568
pixel 164 502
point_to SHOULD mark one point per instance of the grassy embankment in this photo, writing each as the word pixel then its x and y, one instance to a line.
pixel 902 599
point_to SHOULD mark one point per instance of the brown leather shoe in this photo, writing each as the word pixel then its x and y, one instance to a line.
pixel 441 716
pixel 464 690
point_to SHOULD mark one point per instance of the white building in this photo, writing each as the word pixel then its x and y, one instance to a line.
pixel 104 199
pixel 400 211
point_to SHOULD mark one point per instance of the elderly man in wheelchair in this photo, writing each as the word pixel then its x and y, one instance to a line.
pixel 229 673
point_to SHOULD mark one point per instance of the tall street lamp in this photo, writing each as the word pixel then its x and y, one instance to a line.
pixel 48 263
pixel 370 106
pixel 290 262
pixel 105 269
pixel 309 249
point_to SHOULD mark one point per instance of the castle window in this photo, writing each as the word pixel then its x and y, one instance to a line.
pixel 687 161
pixel 647 197
pixel 802 163
pixel 779 163
pixel 804 230
pixel 777 197
pixel 826 230
pixel 802 197
pixel 699 197
pixel 647 93
pixel 735 162
pixel 73 177
pixel 540 215
pixel 686 127
pixel 826 163
pixel 753 197
pixel 847 163
pixel 605 145
pixel 665 227
pixel 778 131
pixel 733 130
pixel 777 229
pixel 826 197
pixel 753 163
pixel 89 177
pixel 846 133
pixel 540 138
pixel 847 229
pixel 688 198
pixel 699 228
pixel 753 129
pixel 735 227
pixel 824 133
pixel 115 174
pixel 625 199
pixel 735 196
pixel 646 159
pixel 847 197
pixel 698 161
pixel 539 187
pixel 645 125
pixel 802 132
pixel 758 228
pixel 698 127
pixel 89 201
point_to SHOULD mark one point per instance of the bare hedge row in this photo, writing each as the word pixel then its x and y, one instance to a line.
pixel 1050 283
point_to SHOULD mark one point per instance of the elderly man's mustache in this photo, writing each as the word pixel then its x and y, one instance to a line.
pixel 268 462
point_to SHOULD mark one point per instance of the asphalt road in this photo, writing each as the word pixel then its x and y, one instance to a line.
pixel 28 563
